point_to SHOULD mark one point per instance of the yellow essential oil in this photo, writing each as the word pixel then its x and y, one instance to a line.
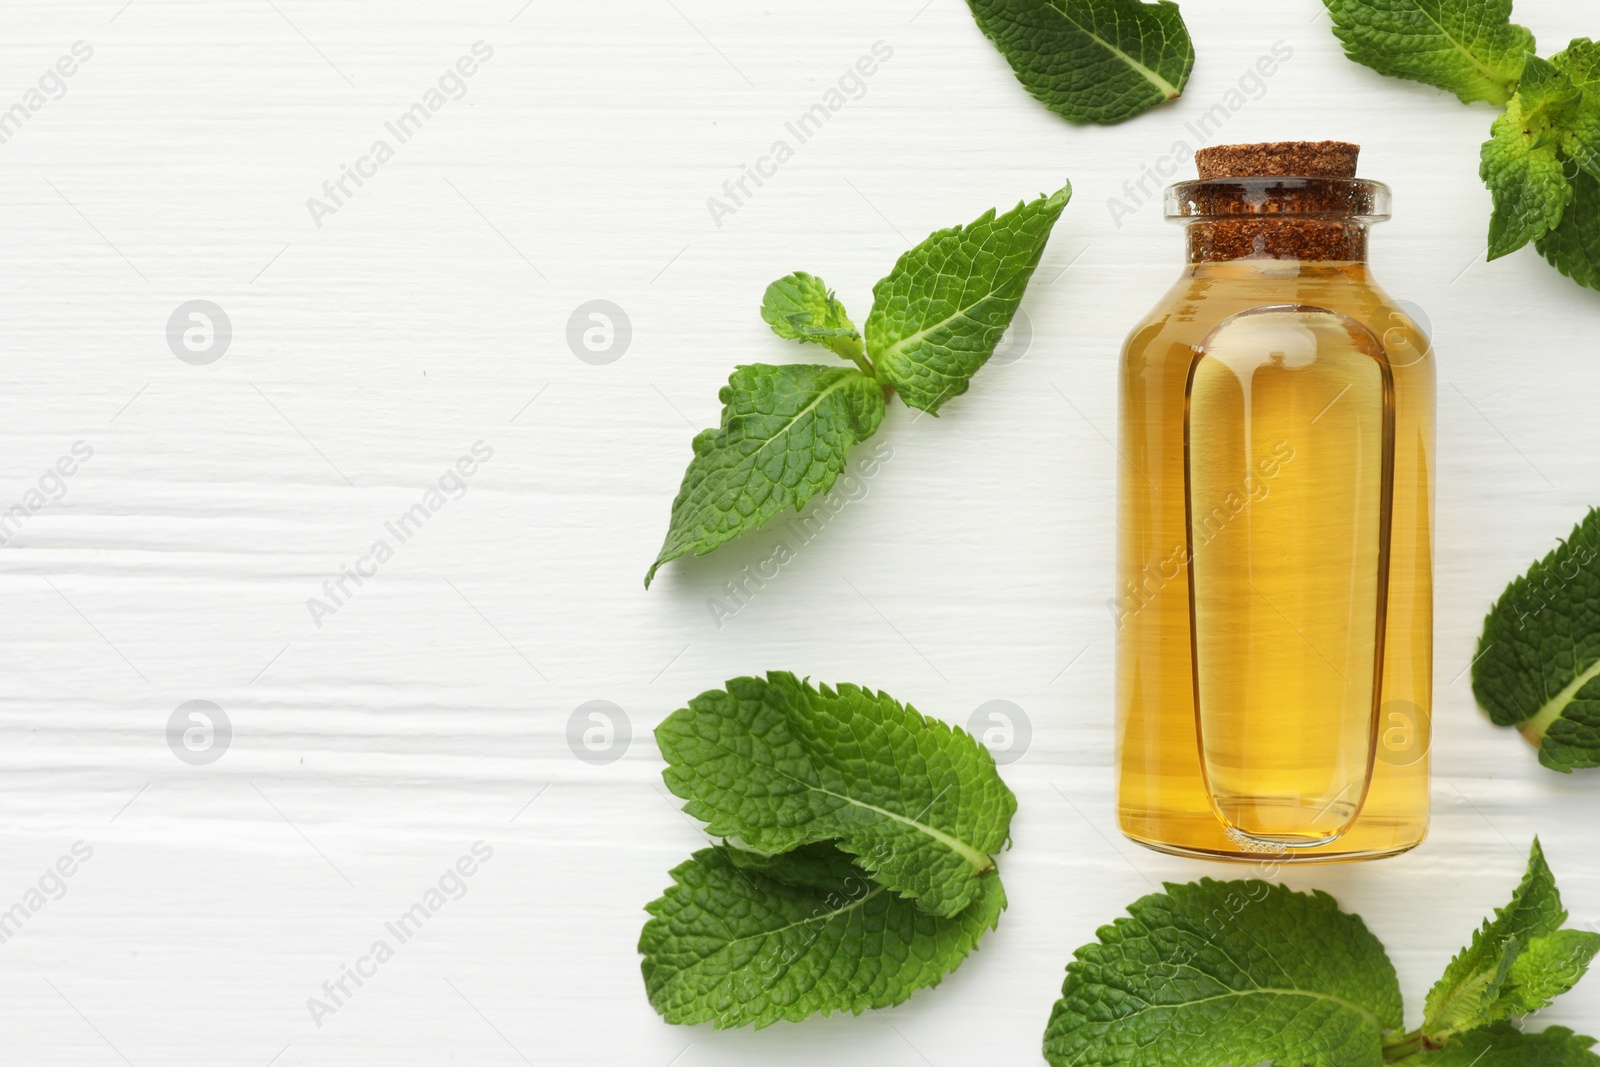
pixel 1274 593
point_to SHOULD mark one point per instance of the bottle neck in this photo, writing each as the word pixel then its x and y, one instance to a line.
pixel 1305 238
pixel 1310 219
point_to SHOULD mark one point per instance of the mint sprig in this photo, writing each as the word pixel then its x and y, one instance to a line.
pixel 1517 963
pixel 1467 47
pixel 1555 116
pixel 1542 159
pixel 1538 661
pixel 857 863
pixel 786 431
pixel 1216 974
pixel 1100 61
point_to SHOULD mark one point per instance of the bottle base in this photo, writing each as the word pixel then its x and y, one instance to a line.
pixel 1208 840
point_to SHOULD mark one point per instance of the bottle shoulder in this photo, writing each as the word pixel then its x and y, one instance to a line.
pixel 1207 294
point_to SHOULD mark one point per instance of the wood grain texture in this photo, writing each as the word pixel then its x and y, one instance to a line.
pixel 430 311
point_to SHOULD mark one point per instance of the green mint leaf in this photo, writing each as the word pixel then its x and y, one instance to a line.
pixel 1467 47
pixel 1219 974
pixel 1581 135
pixel 739 940
pixel 777 763
pixel 802 308
pixel 1503 1045
pixel 1580 62
pixel 1521 162
pixel 937 317
pixel 1473 990
pixel 1573 247
pixel 1092 60
pixel 784 437
pixel 1516 964
pixel 1538 660
pixel 1548 967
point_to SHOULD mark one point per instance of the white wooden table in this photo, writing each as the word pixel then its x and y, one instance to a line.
pixel 376 339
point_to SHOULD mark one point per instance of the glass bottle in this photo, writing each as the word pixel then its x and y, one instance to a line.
pixel 1274 586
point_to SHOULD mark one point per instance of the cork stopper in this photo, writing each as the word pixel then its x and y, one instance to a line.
pixel 1279 200
pixel 1301 159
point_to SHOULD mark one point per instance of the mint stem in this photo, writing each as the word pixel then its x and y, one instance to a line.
pixel 1406 1046
pixel 857 355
